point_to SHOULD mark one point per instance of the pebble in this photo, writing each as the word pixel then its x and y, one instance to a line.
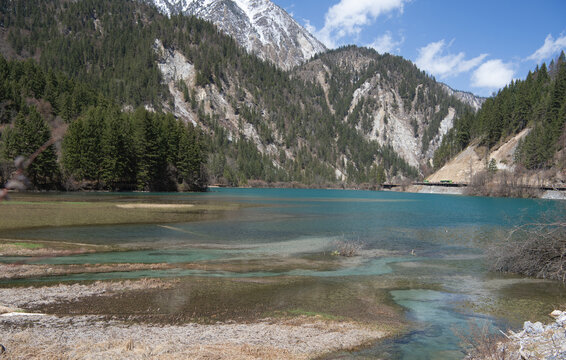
pixel 535 328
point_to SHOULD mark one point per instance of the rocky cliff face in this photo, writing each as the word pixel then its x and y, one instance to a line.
pixel 387 100
pixel 466 97
pixel 176 69
pixel 260 26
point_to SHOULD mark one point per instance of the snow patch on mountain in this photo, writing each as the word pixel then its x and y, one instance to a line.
pixel 260 26
pixel 466 97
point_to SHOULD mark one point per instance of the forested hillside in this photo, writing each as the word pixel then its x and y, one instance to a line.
pixel 258 122
pixel 537 103
pixel 103 148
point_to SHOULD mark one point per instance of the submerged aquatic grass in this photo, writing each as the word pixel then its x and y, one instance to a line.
pixel 37 212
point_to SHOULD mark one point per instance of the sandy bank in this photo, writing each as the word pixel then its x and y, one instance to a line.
pixel 154 206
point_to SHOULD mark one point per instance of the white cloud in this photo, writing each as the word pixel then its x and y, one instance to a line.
pixel 289 10
pixel 349 16
pixel 432 59
pixel 386 44
pixel 549 48
pixel 493 74
pixel 310 28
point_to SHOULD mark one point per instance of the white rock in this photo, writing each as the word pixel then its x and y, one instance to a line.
pixel 533 328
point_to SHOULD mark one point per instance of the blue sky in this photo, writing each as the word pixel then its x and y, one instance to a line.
pixel 477 46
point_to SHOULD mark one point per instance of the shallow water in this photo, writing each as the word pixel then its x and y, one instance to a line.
pixel 429 247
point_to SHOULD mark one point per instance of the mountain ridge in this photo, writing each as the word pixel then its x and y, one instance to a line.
pixel 260 26
pixel 467 97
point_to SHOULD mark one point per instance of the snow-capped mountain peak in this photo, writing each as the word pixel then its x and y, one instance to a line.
pixel 260 26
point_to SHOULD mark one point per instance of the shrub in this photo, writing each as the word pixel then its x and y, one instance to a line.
pixel 537 250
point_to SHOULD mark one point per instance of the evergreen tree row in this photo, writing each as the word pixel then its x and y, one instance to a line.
pixel 143 151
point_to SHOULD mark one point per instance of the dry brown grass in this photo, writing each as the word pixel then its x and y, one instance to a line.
pixel 348 248
pixel 11 298
pixel 482 344
pixel 90 338
pixel 24 346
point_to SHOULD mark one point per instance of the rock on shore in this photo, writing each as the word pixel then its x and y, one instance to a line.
pixel 538 341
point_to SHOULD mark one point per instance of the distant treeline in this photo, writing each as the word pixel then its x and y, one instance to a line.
pixel 538 102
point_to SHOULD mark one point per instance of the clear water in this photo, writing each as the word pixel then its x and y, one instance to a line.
pixel 429 241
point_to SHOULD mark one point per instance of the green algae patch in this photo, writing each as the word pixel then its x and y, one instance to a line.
pixel 521 300
pixel 35 248
pixel 266 264
pixel 26 245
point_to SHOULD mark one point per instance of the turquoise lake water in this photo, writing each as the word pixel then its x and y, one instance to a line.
pixel 434 242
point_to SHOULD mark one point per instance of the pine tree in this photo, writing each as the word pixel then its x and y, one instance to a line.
pixel 31 132
pixel 117 151
pixel 81 146
pixel 191 158
pixel 151 156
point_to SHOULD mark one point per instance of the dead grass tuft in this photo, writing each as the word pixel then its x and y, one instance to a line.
pixel 348 248
pixel 481 344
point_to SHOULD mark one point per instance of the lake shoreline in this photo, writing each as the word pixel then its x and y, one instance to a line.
pixel 416 189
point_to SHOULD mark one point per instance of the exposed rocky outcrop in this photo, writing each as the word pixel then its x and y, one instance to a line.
pixel 379 107
pixel 466 97
pixel 176 69
pixel 473 160
pixel 538 341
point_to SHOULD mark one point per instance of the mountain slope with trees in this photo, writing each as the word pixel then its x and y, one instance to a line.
pixel 534 107
pixel 260 26
pixel 343 124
